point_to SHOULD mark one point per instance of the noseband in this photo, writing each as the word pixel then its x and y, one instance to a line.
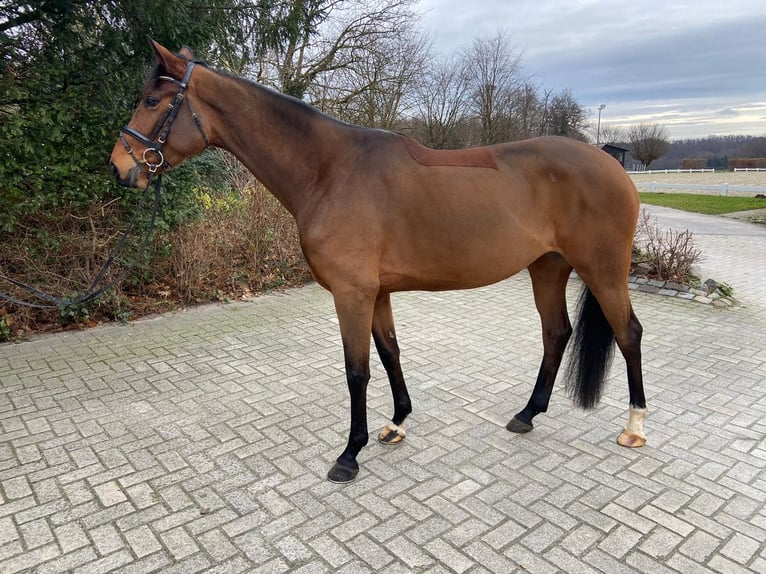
pixel 155 142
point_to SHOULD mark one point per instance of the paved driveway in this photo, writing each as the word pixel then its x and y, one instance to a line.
pixel 199 441
pixel 733 251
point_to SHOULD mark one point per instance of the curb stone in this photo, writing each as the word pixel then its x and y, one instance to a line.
pixel 679 291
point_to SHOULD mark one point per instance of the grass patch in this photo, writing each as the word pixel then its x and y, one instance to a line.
pixel 708 204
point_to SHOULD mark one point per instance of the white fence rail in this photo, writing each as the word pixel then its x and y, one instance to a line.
pixel 750 169
pixel 701 170
pixel 723 188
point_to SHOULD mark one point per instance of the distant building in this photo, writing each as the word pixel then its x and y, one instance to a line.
pixel 621 154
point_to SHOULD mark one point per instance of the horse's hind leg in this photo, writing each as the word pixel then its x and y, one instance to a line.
pixel 613 299
pixel 384 335
pixel 628 332
pixel 633 435
pixel 549 274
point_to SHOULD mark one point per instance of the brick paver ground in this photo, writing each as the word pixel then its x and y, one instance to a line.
pixel 199 442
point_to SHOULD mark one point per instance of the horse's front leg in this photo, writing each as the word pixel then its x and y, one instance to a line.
pixel 384 335
pixel 355 310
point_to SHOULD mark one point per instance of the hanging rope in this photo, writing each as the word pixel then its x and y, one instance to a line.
pixel 96 288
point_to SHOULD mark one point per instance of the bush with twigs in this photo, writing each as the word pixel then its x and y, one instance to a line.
pixel 245 244
pixel 239 241
pixel 667 254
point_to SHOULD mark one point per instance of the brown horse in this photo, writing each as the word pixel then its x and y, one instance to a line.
pixel 379 213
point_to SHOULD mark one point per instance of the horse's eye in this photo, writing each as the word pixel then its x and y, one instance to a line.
pixel 151 102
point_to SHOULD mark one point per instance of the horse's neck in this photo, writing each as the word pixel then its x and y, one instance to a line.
pixel 282 142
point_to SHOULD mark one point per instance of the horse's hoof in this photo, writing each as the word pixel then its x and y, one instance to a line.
pixel 392 434
pixel 341 474
pixel 629 440
pixel 518 426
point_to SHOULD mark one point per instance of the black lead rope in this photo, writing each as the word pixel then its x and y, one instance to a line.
pixel 160 133
pixel 94 291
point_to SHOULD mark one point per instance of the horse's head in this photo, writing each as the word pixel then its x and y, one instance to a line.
pixel 162 132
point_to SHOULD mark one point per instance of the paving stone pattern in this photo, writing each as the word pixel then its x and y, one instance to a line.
pixel 199 442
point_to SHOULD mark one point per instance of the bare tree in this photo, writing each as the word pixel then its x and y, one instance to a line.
pixel 528 112
pixel 376 90
pixel 755 147
pixel 610 134
pixel 495 74
pixel 323 36
pixel 648 142
pixel 442 101
pixel 565 116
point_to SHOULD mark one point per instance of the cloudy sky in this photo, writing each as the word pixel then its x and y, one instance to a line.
pixel 697 67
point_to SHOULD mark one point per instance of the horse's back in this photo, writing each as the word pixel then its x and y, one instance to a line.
pixel 458 226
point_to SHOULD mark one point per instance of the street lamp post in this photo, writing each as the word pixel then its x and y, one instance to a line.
pixel 598 128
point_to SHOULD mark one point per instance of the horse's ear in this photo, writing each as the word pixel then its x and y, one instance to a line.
pixel 173 65
pixel 187 53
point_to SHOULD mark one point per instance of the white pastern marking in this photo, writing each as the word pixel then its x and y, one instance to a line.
pixel 636 422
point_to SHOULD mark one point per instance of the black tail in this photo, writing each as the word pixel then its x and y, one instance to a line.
pixel 591 352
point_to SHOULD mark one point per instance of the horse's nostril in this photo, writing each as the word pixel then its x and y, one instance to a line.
pixel 115 171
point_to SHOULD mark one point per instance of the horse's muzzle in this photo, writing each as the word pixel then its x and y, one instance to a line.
pixel 131 180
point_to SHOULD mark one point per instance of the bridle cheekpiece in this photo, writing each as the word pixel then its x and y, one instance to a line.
pixel 160 134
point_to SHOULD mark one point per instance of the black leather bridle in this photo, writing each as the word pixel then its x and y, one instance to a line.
pixel 157 139
pixel 153 145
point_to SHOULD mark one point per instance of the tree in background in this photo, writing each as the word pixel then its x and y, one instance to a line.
pixel 647 142
pixel 754 147
pixel 482 96
pixel 442 104
pixel 314 38
pixel 715 150
pixel 611 134
pixel 529 113
pixel 69 73
pixel 565 117
pixel 375 90
pixel 495 75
